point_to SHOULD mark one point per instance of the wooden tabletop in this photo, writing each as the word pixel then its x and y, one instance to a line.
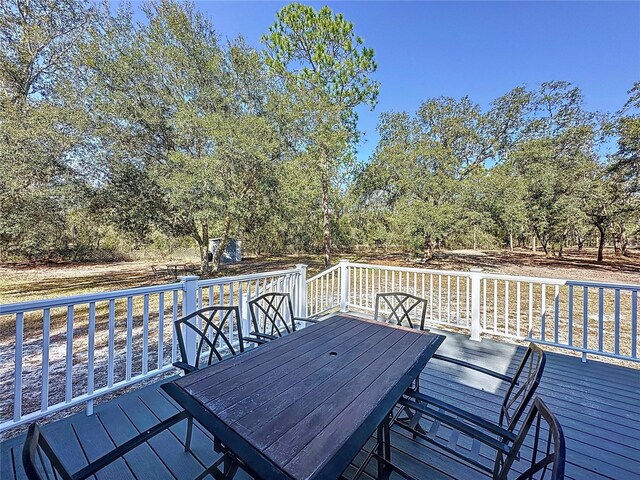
pixel 302 406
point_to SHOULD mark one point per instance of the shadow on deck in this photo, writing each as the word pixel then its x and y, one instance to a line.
pixel 597 404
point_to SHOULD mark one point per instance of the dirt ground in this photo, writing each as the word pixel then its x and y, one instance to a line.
pixel 23 282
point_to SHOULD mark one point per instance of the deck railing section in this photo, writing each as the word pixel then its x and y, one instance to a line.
pixel 61 352
pixel 588 317
pixel 323 291
pixel 447 292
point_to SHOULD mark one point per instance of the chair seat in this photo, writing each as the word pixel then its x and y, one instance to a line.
pixel 451 414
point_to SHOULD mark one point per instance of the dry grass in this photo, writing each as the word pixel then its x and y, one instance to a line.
pixel 23 282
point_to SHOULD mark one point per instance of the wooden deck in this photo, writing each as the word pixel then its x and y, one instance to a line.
pixel 598 405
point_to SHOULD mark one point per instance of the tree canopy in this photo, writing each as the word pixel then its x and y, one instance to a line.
pixel 120 131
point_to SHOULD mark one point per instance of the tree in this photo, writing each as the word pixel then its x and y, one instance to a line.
pixel 185 116
pixel 626 161
pixel 624 164
pixel 41 134
pixel 554 156
pixel 326 67
pixel 423 170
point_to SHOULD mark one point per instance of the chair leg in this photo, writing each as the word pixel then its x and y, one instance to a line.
pixel 230 467
pixel 187 443
pixel 383 448
pixel 412 418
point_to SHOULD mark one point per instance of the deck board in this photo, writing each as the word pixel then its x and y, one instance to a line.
pixel 597 403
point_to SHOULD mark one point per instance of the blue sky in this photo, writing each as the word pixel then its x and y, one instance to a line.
pixel 480 49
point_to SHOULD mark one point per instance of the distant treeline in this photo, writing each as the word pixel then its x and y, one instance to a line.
pixel 117 134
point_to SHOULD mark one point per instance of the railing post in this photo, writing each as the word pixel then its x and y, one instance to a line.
pixel 246 314
pixel 301 297
pixel 344 285
pixel 476 329
pixel 189 305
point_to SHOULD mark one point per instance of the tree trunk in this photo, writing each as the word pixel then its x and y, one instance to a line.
pixel 616 245
pixel 428 248
pixel 563 240
pixel 326 231
pixel 510 240
pixel 624 242
pixel 533 242
pixel 475 238
pixel 203 243
pixel 601 242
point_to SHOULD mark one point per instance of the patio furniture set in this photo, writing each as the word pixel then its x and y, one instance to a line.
pixel 173 271
pixel 284 402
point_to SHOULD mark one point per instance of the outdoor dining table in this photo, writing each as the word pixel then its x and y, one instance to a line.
pixel 174 269
pixel 302 406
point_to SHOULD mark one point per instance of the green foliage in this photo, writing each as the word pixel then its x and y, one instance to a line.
pixel 422 171
pixel 625 163
pixel 325 68
pixel 120 134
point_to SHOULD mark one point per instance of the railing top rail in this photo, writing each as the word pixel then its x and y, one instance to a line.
pixel 324 272
pixel 455 273
pixel 522 278
pixel 242 278
pixel 611 285
pixel 18 307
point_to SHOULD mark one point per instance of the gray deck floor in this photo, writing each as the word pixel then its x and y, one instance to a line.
pixel 598 405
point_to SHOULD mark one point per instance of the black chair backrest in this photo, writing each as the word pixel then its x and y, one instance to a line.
pixel 211 325
pixel 39 460
pixel 522 387
pixel 272 314
pixel 402 307
pixel 546 453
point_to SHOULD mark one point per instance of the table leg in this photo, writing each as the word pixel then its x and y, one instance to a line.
pixel 384 448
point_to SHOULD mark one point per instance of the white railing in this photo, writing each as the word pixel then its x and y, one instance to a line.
pixel 446 291
pixel 588 317
pixel 323 291
pixel 61 352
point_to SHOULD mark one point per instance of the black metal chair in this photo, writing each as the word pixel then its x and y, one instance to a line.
pixel 211 326
pixel 41 462
pixel 525 458
pixel 427 409
pixel 401 307
pixel 272 316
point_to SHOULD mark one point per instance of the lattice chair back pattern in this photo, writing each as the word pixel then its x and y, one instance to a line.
pixel 211 326
pixel 544 457
pixel 404 309
pixel 522 387
pixel 272 314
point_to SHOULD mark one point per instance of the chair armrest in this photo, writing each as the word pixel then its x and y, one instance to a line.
pixel 451 421
pixel 254 340
pixel 462 363
pixel 263 335
pixel 113 455
pixel 185 366
pixel 310 320
pixel 468 416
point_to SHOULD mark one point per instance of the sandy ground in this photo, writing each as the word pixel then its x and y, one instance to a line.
pixel 23 282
